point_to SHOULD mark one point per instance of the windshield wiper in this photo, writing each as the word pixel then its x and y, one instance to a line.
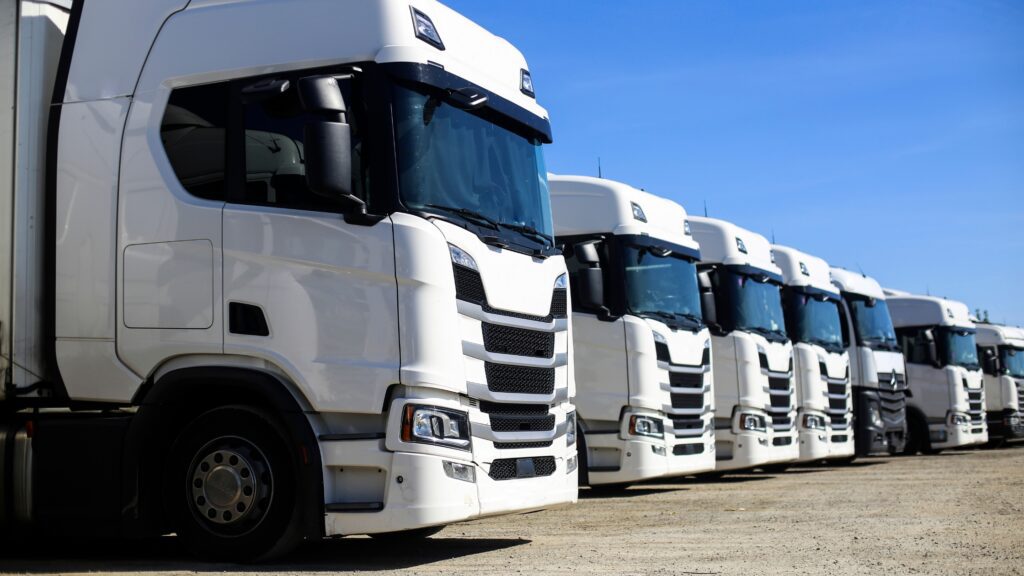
pixel 529 232
pixel 768 333
pixel 471 215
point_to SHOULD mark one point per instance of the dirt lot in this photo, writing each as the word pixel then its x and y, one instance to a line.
pixel 956 513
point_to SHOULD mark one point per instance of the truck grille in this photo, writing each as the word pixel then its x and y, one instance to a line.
pixel 781 402
pixel 518 341
pixel 509 468
pixel 687 426
pixel 838 407
pixel 688 449
pixel 690 401
pixel 885 381
pixel 518 417
pixel 974 400
pixel 894 406
pixel 686 380
pixel 519 379
pixel 469 287
pixel 778 384
pixel 521 445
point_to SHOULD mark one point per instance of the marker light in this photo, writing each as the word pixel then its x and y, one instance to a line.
pixel 462 258
pixel 771 253
pixel 425 29
pixel 526 83
pixel 686 228
pixel 459 471
pixel 562 282
pixel 646 426
pixel 433 425
pixel 638 212
pixel 570 464
pixel 740 245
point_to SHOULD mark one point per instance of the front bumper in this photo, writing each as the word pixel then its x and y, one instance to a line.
pixel 814 443
pixel 752 449
pixel 891 436
pixel 1005 424
pixel 943 436
pixel 418 493
pixel 639 460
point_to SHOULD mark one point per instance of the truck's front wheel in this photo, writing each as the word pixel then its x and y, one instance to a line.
pixel 232 486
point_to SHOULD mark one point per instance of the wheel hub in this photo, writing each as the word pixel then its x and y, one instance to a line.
pixel 226 484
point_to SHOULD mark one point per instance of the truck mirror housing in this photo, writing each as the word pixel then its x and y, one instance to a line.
pixel 586 253
pixel 588 281
pixel 707 299
pixel 932 348
pixel 328 141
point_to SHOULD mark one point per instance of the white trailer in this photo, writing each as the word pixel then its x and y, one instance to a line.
pixel 825 401
pixel 642 351
pixel 741 295
pixel 273 271
pixel 946 408
pixel 1001 350
pixel 877 370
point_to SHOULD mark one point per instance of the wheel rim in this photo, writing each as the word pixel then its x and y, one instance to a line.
pixel 230 485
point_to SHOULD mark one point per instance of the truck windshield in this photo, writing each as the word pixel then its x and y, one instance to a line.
pixel 1013 361
pixel 873 325
pixel 454 163
pixel 753 304
pixel 663 286
pixel 814 320
pixel 958 348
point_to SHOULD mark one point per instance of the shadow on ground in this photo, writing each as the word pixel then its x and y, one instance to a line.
pixel 165 554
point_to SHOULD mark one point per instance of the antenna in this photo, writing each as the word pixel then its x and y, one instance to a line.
pixel 705 207
pixel 860 269
pixel 599 167
pixel 773 235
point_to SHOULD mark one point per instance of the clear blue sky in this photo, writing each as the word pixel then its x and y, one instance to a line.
pixel 884 134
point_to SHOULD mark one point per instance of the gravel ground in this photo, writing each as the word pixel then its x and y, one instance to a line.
pixel 955 513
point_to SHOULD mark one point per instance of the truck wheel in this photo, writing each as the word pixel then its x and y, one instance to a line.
pixel 232 486
pixel 402 535
pixel 582 471
pixel 917 434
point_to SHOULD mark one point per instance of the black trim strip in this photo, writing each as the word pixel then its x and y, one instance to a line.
pixel 355 507
pixel 649 242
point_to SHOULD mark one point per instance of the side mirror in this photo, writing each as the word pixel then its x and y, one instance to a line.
pixel 932 349
pixel 707 299
pixel 328 141
pixel 589 280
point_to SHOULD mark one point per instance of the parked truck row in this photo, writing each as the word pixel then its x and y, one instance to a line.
pixel 255 292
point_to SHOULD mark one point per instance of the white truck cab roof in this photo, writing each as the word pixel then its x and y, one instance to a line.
pixel 857 283
pixel 725 243
pixel 999 335
pixel 583 205
pixel 919 310
pixel 802 269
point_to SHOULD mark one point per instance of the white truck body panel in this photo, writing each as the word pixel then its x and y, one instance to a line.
pixel 746 363
pixel 941 392
pixel 1003 388
pixel 619 372
pixel 829 395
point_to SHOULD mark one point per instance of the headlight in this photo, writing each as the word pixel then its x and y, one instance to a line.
pixel 433 425
pixel 814 422
pixel 875 415
pixel 462 258
pixel 753 422
pixel 646 426
pixel 561 283
pixel 571 464
pixel 958 419
pixel 570 428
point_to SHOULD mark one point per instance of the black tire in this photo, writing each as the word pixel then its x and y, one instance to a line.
pixel 403 535
pixel 917 433
pixel 232 486
pixel 582 471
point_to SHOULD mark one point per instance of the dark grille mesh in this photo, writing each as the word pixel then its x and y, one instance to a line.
pixel 558 304
pixel 518 341
pixel 518 417
pixel 519 379
pixel 661 349
pixel 780 401
pixel 837 389
pixel 521 445
pixel 688 449
pixel 468 285
pixel 836 404
pixel 778 383
pixel 785 441
pixel 507 469
pixel 684 424
pixel 974 399
pixel 687 400
pixel 837 419
pixel 684 380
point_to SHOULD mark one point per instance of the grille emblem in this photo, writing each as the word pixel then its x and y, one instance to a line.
pixel 893 382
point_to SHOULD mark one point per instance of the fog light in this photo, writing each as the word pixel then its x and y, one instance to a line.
pixel 570 428
pixel 570 465
pixel 659 450
pixel 875 415
pixel 458 471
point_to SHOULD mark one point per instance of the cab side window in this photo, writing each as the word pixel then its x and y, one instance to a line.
pixel 194 134
pixel 914 345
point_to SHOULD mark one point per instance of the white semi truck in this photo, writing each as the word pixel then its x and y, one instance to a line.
pixel 641 350
pixel 1001 351
pixel 741 296
pixel 877 370
pixel 824 399
pixel 946 408
pixel 273 271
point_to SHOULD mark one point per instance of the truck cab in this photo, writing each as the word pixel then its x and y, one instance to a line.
pixel 1001 352
pixel 641 349
pixel 878 372
pixel 741 297
pixel 824 398
pixel 278 271
pixel 946 405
